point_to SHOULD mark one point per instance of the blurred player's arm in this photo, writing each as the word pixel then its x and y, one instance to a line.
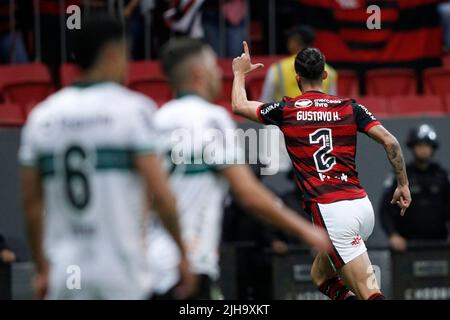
pixel 148 165
pixel 34 216
pixel 164 202
pixel 254 197
pixel 402 196
pixel 160 195
pixel 239 102
pixel 33 203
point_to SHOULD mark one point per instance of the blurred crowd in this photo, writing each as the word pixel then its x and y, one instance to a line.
pixel 150 23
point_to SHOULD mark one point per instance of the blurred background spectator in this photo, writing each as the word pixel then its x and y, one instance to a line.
pixel 185 18
pixel 280 79
pixel 135 26
pixel 430 188
pixel 444 11
pixel 12 48
pixel 54 37
pixel 229 17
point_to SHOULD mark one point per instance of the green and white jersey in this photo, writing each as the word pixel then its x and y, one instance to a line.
pixel 83 141
pixel 186 127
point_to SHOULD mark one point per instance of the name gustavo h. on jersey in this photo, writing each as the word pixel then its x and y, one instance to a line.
pixel 318 115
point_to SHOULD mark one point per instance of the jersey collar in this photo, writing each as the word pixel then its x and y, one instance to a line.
pixel 88 84
pixel 183 94
pixel 314 91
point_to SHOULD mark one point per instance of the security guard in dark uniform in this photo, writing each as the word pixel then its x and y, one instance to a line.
pixel 430 190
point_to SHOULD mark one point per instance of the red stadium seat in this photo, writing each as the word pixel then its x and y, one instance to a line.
pixel 255 85
pixel 446 60
pixel 148 78
pixel 68 74
pixel 257 36
pixel 267 61
pixel 11 115
pixel 347 83
pixel 437 81
pixel 391 82
pixel 227 79
pixel 227 105
pixel 447 103
pixel 375 104
pixel 25 84
pixel 256 78
pixel 417 105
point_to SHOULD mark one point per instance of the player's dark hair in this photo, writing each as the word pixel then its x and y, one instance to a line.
pixel 95 33
pixel 310 64
pixel 303 33
pixel 175 52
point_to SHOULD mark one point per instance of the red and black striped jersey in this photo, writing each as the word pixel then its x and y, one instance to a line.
pixel 320 134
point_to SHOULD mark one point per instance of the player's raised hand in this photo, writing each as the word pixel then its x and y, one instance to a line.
pixel 243 64
pixel 402 197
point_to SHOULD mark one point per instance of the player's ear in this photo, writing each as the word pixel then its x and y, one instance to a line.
pixel 299 81
pixel 112 53
pixel 196 71
pixel 324 75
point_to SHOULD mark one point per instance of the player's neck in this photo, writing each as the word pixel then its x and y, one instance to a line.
pixel 311 87
pixel 95 76
pixel 191 89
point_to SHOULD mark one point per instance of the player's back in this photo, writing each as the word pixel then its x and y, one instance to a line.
pixel 185 124
pixel 320 133
pixel 83 141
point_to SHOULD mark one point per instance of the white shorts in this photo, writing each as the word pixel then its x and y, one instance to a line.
pixel 92 284
pixel 163 258
pixel 349 223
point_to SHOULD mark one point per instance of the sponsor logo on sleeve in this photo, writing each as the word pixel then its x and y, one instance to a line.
pixel 269 108
pixel 367 112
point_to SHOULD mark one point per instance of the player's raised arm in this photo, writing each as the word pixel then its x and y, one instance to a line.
pixel 260 201
pixel 239 102
pixel 402 196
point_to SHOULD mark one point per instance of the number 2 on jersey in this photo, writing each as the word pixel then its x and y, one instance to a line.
pixel 76 180
pixel 324 162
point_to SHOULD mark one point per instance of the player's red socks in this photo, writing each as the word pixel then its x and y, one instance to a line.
pixel 377 296
pixel 335 289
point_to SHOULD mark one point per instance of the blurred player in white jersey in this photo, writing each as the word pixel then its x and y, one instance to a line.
pixel 88 161
pixel 200 185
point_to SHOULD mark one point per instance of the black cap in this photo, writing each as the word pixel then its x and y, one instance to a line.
pixel 423 134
